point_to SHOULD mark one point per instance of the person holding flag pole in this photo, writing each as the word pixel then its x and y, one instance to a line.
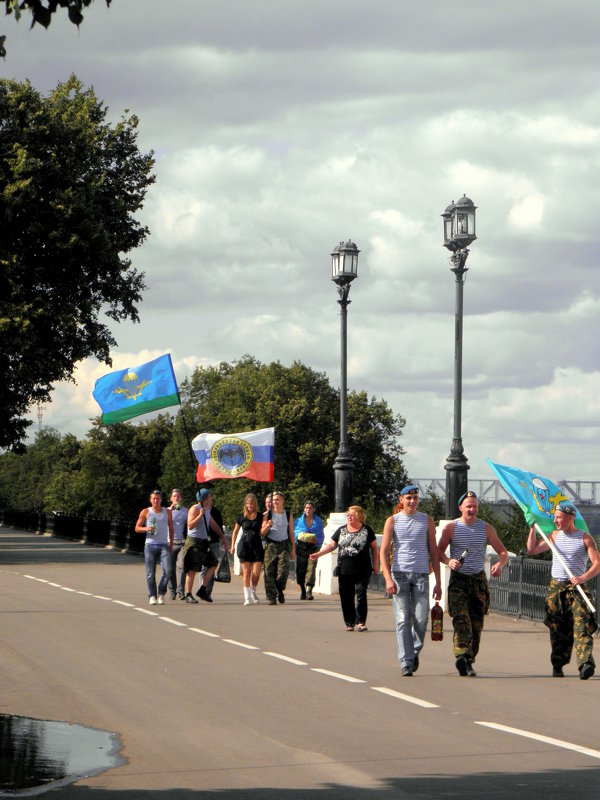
pixel 570 615
pixel 569 618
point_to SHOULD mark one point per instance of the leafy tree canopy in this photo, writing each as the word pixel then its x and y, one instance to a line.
pixel 111 472
pixel 41 12
pixel 70 184
pixel 303 408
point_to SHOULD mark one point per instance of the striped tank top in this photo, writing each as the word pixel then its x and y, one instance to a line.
pixel 572 549
pixel 411 553
pixel 161 534
pixel 473 537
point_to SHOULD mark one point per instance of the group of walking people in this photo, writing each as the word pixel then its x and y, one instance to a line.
pixel 408 555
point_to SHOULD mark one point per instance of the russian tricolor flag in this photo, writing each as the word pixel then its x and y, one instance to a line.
pixel 235 455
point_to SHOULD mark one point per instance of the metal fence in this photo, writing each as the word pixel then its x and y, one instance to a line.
pixel 521 588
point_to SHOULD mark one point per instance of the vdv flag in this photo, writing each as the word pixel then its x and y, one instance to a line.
pixel 536 496
pixel 235 455
pixel 130 392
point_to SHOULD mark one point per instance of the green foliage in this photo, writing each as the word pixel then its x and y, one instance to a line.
pixel 70 184
pixel 432 504
pixel 509 523
pixel 111 472
pixel 303 408
pixel 41 12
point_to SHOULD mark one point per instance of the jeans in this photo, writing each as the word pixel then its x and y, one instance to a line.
pixel 177 575
pixel 411 612
pixel 153 554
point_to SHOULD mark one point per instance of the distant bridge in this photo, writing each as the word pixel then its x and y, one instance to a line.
pixel 492 491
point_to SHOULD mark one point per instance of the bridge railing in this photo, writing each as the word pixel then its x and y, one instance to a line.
pixel 521 589
pixel 491 490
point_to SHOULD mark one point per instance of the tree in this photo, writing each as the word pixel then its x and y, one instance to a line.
pixel 69 186
pixel 303 408
pixel 41 12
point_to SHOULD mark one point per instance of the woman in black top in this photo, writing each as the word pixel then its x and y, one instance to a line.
pixel 250 547
pixel 357 559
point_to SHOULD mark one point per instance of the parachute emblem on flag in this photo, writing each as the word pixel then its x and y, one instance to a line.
pixel 546 502
pixel 131 388
pixel 231 456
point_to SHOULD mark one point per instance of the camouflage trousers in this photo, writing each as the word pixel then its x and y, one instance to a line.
pixel 468 603
pixel 277 568
pixel 570 622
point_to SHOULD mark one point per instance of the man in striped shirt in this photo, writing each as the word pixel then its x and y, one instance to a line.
pixel 468 590
pixel 411 535
pixel 567 615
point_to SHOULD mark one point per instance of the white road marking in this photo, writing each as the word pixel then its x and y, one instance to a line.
pixel 339 675
pixel 66 589
pixel 87 594
pixel 146 611
pixel 173 621
pixel 58 586
pixel 407 697
pixel 287 658
pixel 205 633
pixel 586 751
pixel 123 603
pixel 101 597
pixel 241 644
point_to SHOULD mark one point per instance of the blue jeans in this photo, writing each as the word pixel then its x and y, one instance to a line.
pixel 154 554
pixel 411 612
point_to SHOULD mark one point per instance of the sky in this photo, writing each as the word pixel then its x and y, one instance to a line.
pixel 283 128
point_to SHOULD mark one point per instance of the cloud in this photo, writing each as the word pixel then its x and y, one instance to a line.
pixel 304 124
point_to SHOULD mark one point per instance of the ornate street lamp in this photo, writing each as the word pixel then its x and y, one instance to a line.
pixel 459 233
pixel 344 269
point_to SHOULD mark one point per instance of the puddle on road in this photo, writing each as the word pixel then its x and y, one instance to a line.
pixel 38 755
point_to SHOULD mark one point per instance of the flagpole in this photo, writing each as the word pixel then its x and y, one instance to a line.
pixel 562 561
pixel 187 436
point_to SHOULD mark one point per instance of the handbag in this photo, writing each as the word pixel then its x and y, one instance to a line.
pixel 223 573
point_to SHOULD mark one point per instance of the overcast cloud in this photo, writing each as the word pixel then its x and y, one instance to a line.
pixel 281 129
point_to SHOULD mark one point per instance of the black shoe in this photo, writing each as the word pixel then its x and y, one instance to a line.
pixel 272 602
pixel 189 598
pixel 302 593
pixel 407 672
pixel 181 595
pixel 415 664
pixel 280 597
pixel 204 595
pixel 309 594
pixel 586 671
pixel 470 671
pixel 462 665
pixel 173 596
pixel 557 672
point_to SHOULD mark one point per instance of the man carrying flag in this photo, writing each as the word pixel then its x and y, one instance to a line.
pixel 568 617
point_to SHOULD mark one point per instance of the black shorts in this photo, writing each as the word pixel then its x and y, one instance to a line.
pixel 197 554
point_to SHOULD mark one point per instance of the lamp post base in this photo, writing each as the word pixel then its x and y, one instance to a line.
pixel 343 470
pixel 457 482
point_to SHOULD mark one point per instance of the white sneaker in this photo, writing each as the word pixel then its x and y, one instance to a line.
pixel 253 596
pixel 161 600
pixel 247 602
pixel 152 600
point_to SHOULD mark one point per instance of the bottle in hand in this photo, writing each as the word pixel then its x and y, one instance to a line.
pixel 437 623
pixel 463 555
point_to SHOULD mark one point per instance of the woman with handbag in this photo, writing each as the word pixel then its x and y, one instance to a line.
pixel 357 559
pixel 250 547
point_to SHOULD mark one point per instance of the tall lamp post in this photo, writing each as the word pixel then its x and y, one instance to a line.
pixel 344 269
pixel 459 233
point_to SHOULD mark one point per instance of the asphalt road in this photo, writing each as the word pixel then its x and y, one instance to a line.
pixel 281 702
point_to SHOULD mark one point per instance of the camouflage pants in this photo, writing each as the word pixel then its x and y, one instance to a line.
pixel 570 621
pixel 277 567
pixel 468 603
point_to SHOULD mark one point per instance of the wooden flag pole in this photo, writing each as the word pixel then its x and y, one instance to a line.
pixel 568 571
